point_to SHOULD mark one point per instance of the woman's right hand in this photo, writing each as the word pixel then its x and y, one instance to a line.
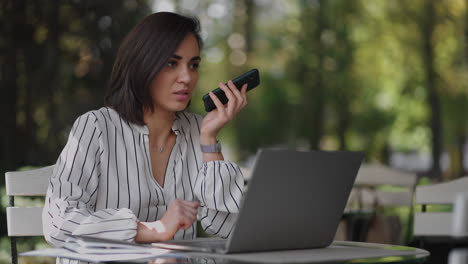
pixel 181 214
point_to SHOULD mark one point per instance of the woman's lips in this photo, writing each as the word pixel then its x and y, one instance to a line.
pixel 182 96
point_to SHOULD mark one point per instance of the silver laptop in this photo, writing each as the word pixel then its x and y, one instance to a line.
pixel 295 200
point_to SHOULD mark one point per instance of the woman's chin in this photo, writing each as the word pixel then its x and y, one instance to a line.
pixel 175 106
pixel 180 106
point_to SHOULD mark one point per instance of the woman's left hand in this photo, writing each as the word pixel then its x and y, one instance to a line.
pixel 215 120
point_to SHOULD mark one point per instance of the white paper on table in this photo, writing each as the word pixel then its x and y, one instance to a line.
pixel 100 250
pixel 104 248
pixel 64 253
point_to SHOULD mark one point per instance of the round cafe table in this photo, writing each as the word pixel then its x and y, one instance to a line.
pixel 344 252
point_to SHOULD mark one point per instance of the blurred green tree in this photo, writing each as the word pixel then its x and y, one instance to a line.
pixel 55 60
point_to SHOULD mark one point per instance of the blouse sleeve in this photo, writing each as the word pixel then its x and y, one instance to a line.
pixel 71 196
pixel 219 188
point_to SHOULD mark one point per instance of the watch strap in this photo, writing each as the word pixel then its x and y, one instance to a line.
pixel 211 148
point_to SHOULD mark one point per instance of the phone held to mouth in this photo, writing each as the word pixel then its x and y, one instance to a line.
pixel 251 78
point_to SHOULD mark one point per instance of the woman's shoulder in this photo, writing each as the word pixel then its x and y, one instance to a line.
pixel 103 116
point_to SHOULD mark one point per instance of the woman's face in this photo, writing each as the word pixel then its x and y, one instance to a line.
pixel 172 88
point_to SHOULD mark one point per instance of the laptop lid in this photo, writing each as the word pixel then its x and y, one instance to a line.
pixel 295 199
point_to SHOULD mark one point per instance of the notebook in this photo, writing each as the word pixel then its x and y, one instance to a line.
pixel 295 200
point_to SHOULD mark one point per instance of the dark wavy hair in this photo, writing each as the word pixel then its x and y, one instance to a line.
pixel 141 56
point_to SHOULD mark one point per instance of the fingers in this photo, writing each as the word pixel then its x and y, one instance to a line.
pixel 190 208
pixel 241 97
pixel 219 106
pixel 230 96
pixel 180 215
pixel 193 204
pixel 244 95
pixel 223 114
pixel 234 99
pixel 189 215
pixel 237 93
pixel 183 212
pixel 237 99
pixel 188 220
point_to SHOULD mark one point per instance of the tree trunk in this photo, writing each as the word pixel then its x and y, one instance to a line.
pixel 312 103
pixel 316 97
pixel 463 139
pixel 53 72
pixel 343 95
pixel 10 150
pixel 12 15
pixel 432 93
pixel 343 125
pixel 249 27
pixel 460 147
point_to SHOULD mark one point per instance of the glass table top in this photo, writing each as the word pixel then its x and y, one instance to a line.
pixel 344 252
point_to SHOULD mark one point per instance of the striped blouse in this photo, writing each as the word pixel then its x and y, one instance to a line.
pixel 103 181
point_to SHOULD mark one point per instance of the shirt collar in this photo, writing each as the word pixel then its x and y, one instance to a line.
pixel 176 124
pixel 144 129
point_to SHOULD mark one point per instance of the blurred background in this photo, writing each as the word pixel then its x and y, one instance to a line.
pixel 389 78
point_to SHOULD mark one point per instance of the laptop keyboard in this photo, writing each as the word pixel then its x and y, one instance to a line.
pixel 204 243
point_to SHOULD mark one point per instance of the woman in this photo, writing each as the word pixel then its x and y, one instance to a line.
pixel 143 169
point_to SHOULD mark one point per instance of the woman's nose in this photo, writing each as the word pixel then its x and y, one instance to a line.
pixel 184 75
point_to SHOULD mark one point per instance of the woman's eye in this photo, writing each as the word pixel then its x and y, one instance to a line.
pixel 171 64
pixel 195 66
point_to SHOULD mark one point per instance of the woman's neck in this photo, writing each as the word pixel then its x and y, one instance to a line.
pixel 159 124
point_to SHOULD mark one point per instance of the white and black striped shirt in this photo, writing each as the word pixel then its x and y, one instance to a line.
pixel 103 181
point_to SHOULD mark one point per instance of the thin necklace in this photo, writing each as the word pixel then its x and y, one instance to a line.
pixel 161 148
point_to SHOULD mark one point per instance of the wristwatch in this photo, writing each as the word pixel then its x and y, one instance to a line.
pixel 212 148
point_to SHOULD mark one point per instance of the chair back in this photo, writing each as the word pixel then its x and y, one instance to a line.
pixel 370 176
pixel 437 224
pixel 25 221
pixel 459 255
pixel 364 220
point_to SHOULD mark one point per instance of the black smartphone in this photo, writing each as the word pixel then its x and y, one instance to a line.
pixel 251 78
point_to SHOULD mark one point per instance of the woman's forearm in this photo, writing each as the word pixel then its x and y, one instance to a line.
pixel 151 232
